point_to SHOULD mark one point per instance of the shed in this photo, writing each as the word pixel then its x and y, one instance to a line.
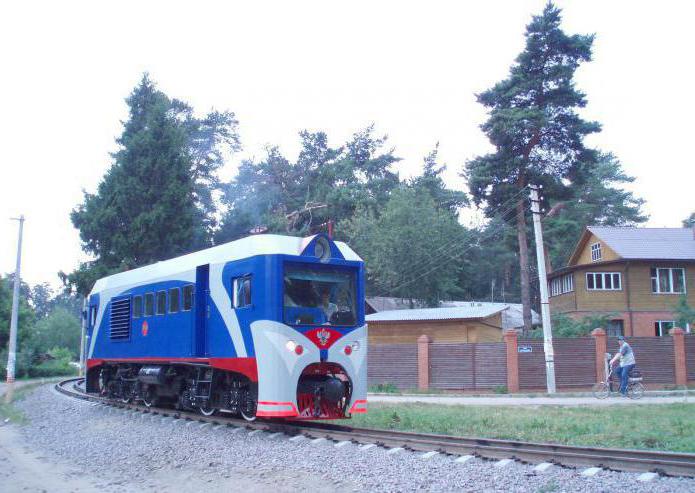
pixel 471 323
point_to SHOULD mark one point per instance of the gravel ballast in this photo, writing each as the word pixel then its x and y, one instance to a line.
pixel 129 451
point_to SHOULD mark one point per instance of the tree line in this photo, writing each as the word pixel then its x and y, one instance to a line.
pixel 161 196
pixel 48 333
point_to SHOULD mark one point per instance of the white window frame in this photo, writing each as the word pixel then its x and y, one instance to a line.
pixel 596 252
pixel 561 285
pixel 655 280
pixel 603 281
pixel 658 323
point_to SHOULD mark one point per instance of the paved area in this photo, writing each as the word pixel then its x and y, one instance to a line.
pixel 527 401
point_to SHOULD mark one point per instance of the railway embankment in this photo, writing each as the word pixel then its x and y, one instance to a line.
pixel 129 451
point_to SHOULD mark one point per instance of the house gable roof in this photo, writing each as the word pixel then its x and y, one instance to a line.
pixel 641 243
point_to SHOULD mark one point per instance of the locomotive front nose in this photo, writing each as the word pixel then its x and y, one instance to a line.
pixel 323 391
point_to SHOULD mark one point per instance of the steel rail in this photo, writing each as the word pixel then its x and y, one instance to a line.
pixel 665 463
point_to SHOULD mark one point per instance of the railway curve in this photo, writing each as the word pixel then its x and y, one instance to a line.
pixel 664 463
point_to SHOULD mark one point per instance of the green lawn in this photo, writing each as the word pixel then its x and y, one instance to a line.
pixel 660 427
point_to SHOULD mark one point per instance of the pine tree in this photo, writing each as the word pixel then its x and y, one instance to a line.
pixel 535 129
pixel 155 202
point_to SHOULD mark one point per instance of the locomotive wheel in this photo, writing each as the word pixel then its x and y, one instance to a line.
pixel 103 382
pixel 150 398
pixel 248 411
pixel 207 410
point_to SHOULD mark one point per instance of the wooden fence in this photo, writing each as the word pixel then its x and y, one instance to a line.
pixel 520 364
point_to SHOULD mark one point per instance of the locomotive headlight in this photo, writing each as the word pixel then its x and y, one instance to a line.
pixel 293 347
pixel 351 347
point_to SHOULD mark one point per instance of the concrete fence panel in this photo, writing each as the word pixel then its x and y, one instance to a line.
pixel 574 362
pixel 393 363
pixel 654 357
pixel 690 356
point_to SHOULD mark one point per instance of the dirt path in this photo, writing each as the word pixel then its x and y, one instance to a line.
pixel 22 470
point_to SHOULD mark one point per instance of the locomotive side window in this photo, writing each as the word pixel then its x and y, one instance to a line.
pixel 174 300
pixel 187 298
pixel 92 315
pixel 241 287
pixel 149 304
pixel 161 302
pixel 137 306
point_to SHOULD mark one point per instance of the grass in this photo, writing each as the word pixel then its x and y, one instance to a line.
pixel 656 427
pixel 9 410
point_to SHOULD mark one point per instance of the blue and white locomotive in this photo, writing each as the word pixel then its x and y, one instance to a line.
pixel 267 326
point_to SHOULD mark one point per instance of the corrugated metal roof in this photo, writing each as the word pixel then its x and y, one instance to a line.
pixel 648 243
pixel 444 313
pixel 512 313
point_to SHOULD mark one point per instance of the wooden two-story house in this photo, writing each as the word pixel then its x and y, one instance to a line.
pixel 635 275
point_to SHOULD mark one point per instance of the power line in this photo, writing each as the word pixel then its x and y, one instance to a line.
pixel 440 252
pixel 449 257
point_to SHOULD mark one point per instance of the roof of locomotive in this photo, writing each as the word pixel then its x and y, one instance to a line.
pixel 266 244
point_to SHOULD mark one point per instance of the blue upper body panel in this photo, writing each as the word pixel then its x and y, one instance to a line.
pixel 202 331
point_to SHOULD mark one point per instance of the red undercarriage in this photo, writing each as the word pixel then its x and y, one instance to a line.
pixel 247 367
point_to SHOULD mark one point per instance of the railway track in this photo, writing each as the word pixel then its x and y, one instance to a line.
pixel 665 463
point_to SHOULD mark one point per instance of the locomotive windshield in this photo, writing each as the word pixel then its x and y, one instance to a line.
pixel 319 296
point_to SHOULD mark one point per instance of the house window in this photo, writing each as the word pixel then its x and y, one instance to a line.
pixel 561 285
pixel 595 252
pixel 187 298
pixel 161 302
pixel 668 280
pixel 603 281
pixel 661 327
pixel 174 300
pixel 137 306
pixel 615 328
pixel 149 304
pixel 241 287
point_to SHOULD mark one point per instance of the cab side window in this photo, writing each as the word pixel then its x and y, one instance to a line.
pixel 137 306
pixel 187 298
pixel 174 300
pixel 161 302
pixel 241 290
pixel 149 304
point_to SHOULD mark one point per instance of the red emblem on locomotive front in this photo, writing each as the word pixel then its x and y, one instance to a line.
pixel 323 336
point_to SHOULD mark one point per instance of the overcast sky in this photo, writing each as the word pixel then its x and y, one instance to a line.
pixel 412 68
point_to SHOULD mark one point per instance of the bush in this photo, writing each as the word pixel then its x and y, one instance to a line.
pixel 58 365
pixel 384 388
pixel 500 389
pixel 566 326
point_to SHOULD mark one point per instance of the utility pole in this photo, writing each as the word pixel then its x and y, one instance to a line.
pixel 12 357
pixel 543 284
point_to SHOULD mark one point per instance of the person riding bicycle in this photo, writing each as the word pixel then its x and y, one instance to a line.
pixel 627 363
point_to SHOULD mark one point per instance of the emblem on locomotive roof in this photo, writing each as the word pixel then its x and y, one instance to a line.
pixel 323 335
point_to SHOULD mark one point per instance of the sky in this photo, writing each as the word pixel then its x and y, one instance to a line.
pixel 411 68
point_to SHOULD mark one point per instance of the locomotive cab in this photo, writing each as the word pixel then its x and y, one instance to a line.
pixel 320 301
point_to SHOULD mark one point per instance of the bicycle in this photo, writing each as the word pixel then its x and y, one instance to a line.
pixel 635 388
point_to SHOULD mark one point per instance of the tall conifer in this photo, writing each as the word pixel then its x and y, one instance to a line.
pixel 535 129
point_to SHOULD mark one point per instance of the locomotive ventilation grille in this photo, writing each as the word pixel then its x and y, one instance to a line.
pixel 120 319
